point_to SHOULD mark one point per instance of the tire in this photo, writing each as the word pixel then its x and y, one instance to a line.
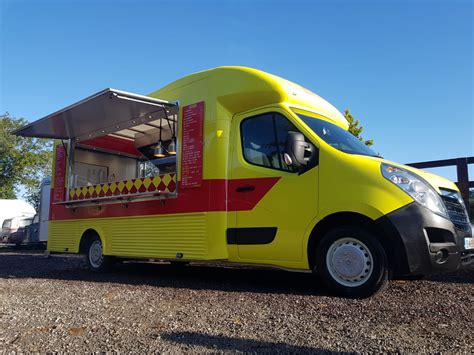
pixel 352 263
pixel 95 259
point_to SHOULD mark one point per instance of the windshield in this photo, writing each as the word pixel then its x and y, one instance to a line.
pixel 337 137
pixel 25 222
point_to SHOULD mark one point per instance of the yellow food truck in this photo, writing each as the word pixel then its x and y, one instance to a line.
pixel 237 165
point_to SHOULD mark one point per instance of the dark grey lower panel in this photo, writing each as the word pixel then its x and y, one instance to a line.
pixel 415 235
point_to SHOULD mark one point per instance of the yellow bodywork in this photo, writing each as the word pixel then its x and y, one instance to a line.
pixel 340 183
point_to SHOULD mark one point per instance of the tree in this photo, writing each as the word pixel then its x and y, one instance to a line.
pixel 24 162
pixel 355 129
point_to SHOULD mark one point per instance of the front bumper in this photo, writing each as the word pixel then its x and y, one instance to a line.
pixel 423 242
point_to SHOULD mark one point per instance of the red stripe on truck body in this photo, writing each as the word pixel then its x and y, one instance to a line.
pixel 211 196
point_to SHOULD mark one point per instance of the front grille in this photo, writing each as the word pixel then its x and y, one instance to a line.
pixel 456 211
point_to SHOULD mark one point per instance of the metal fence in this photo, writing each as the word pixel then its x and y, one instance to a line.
pixel 462 171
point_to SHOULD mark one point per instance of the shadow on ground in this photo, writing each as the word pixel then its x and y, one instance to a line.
pixel 225 343
pixel 461 277
pixel 29 264
pixel 34 264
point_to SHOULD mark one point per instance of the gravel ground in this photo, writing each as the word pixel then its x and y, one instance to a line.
pixel 55 304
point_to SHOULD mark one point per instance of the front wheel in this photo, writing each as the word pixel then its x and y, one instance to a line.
pixel 96 260
pixel 352 262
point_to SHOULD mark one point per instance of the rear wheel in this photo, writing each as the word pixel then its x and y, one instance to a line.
pixel 352 262
pixel 96 260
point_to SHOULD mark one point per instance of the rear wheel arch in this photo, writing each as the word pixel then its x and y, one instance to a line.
pixel 392 244
pixel 92 246
pixel 87 236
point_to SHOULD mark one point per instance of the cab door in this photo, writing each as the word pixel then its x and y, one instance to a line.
pixel 273 203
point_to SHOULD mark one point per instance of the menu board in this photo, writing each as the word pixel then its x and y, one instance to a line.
pixel 192 145
pixel 60 174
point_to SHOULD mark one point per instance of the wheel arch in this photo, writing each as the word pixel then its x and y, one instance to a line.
pixel 86 237
pixel 390 241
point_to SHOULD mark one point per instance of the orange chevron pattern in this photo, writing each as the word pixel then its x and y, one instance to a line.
pixel 161 183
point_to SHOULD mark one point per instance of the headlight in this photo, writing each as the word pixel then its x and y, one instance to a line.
pixel 416 187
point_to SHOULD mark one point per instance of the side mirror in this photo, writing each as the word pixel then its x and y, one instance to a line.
pixel 299 153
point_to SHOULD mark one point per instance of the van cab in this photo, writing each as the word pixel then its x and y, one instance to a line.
pixel 237 165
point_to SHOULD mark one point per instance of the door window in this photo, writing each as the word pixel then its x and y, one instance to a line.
pixel 264 139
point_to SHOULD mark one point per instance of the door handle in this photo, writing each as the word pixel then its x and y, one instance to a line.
pixel 245 188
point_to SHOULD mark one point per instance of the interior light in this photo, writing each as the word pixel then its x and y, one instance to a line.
pixel 172 147
pixel 159 151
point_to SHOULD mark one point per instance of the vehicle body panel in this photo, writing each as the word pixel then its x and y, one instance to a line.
pixel 14 229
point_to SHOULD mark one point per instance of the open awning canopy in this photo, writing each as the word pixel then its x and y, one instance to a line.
pixel 104 113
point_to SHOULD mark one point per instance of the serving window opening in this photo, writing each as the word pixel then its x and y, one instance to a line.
pixel 139 161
